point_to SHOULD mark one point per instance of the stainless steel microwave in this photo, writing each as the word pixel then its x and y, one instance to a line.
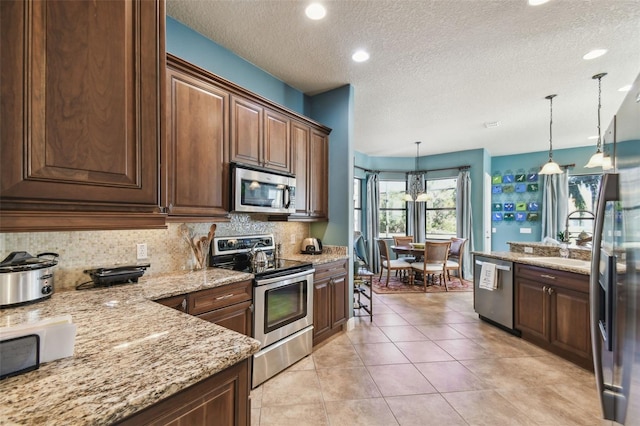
pixel 260 191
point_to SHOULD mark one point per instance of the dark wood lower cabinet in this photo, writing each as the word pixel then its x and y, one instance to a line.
pixel 552 311
pixel 330 310
pixel 221 400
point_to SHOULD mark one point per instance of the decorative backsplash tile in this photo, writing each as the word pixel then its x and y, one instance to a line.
pixel 167 250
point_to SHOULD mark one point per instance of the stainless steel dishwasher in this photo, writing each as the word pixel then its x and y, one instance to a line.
pixel 494 306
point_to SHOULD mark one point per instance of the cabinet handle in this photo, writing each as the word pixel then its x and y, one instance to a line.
pixel 550 291
pixel 226 296
pixel 184 304
pixel 551 277
pixel 544 289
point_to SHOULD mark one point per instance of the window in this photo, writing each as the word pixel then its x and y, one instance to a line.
pixel 357 204
pixel 440 210
pixel 583 194
pixel 392 219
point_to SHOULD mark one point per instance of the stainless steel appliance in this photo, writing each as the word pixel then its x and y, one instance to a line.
pixel 615 271
pixel 311 246
pixel 282 299
pixel 496 305
pixel 25 278
pixel 261 191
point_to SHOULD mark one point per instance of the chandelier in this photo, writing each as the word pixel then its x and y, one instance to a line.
pixel 551 168
pixel 415 191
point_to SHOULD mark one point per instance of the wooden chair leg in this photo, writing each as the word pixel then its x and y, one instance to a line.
pixel 388 275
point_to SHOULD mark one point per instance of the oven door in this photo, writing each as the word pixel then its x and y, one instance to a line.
pixel 283 306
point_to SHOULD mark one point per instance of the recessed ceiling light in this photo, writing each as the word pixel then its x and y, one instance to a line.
pixel 595 53
pixel 360 56
pixel 537 2
pixel 625 88
pixel 315 11
pixel 490 124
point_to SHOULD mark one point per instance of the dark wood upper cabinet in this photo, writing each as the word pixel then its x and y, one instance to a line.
pixel 277 141
pixel 196 154
pixel 300 134
pixel 82 88
pixel 319 175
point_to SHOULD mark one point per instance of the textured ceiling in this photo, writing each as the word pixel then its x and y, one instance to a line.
pixel 440 69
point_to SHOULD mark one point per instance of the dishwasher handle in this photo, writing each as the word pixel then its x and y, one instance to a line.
pixel 500 267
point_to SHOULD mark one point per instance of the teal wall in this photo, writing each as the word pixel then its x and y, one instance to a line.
pixel 192 46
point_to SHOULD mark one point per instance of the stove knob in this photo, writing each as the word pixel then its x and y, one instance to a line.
pixel 47 289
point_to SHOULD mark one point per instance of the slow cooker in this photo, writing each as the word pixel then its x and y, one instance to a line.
pixel 25 278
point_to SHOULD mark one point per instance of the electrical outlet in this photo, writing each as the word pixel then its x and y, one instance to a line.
pixel 528 250
pixel 141 251
pixel 292 239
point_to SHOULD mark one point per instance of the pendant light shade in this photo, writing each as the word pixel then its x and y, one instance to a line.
pixel 598 159
pixel 415 191
pixel 551 168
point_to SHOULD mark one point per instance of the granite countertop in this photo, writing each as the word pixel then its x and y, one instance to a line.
pixel 130 352
pixel 317 259
pixel 577 266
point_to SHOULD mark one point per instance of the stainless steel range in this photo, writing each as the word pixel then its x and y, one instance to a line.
pixel 282 298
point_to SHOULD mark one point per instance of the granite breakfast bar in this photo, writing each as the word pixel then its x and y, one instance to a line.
pixel 130 352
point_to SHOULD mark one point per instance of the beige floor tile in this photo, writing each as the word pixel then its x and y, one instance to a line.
pixel 486 408
pixel 403 333
pixel 342 356
pixel 583 395
pixel 507 345
pixel 380 354
pixel 381 308
pixel 400 379
pixel 423 352
pixel 389 319
pixel 440 332
pixel 367 412
pixel 338 384
pixel 544 406
pixel 255 416
pixel 294 415
pixel 291 387
pixel 256 397
pixel 423 410
pixel 451 376
pixel 367 334
pixel 477 329
pixel 464 349
pixel 305 363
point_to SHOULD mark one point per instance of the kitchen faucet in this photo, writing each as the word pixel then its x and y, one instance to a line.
pixel 566 223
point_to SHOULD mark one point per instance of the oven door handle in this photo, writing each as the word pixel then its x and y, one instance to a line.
pixel 267 281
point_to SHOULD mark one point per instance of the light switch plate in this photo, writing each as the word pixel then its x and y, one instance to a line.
pixel 525 230
pixel 528 250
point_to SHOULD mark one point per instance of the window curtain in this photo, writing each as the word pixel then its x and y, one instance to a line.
pixel 465 220
pixel 373 197
pixel 555 204
pixel 416 216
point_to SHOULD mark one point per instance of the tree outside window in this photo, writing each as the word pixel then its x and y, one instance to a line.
pixel 583 195
pixel 357 204
pixel 440 210
pixel 392 216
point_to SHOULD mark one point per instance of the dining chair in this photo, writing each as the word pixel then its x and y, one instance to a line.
pixel 402 240
pixel 456 252
pixel 434 262
pixel 391 264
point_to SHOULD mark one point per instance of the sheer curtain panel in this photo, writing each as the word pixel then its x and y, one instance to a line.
pixel 372 220
pixel 465 219
pixel 555 199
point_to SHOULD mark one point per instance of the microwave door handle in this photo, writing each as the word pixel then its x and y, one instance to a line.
pixel 287 193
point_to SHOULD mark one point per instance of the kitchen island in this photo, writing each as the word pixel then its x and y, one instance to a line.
pixel 130 352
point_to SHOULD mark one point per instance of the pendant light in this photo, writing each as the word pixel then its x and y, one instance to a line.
pixel 415 191
pixel 551 168
pixel 597 159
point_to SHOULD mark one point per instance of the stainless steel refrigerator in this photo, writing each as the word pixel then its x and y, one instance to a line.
pixel 615 270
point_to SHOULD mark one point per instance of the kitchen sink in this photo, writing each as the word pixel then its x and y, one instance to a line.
pixel 558 261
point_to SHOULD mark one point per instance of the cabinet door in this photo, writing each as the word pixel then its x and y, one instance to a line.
pixel 339 311
pixel 318 175
pixel 197 143
pixel 300 165
pixel 277 142
pixel 81 98
pixel 246 132
pixel 531 309
pixel 236 317
pixel 570 321
pixel 321 307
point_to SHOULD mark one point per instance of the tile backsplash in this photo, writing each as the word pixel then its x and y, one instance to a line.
pixel 166 249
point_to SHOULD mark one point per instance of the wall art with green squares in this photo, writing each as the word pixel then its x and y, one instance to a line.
pixel 516 196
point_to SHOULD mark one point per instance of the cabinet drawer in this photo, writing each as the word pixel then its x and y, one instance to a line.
pixel 208 300
pixel 330 269
pixel 568 280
